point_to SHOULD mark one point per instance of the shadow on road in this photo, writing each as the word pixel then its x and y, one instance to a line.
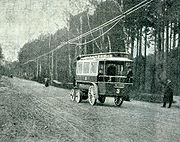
pixel 104 105
pixel 176 106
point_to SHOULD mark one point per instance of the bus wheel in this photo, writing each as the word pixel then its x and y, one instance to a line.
pixel 72 95
pixel 78 96
pixel 91 95
pixel 102 99
pixel 118 101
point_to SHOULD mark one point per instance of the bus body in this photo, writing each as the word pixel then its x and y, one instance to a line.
pixel 102 75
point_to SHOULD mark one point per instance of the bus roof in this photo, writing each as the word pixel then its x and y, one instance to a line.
pixel 120 59
pixel 106 54
pixel 110 56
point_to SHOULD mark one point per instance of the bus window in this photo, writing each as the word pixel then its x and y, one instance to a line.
pixel 86 67
pixel 93 67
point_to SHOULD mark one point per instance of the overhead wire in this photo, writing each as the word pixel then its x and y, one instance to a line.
pixel 138 6
pixel 108 29
pixel 115 19
pixel 98 36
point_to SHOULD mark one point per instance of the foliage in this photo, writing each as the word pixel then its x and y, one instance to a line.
pixel 1 54
pixel 143 29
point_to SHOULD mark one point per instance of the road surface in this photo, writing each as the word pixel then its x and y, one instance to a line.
pixel 29 111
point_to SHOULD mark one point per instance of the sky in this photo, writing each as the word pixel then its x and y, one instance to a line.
pixel 24 20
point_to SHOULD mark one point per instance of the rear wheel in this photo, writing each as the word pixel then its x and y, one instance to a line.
pixel 102 99
pixel 91 95
pixel 118 101
pixel 78 96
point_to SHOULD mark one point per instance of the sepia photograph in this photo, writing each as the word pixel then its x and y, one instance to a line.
pixel 89 70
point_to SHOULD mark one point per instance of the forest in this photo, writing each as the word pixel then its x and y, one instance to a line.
pixel 151 35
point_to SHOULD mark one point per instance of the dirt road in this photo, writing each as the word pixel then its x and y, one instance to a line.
pixel 31 112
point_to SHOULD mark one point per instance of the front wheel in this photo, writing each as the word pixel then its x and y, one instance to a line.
pixel 118 101
pixel 72 95
pixel 91 95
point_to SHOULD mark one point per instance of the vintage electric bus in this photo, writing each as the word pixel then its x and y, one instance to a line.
pixel 102 75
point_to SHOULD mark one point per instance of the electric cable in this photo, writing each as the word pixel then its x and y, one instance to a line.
pixel 116 19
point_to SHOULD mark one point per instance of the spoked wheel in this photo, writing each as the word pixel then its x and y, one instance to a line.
pixel 72 95
pixel 118 101
pixel 91 95
pixel 78 95
pixel 102 99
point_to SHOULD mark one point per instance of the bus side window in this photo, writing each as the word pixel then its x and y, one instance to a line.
pixel 101 69
pixel 93 69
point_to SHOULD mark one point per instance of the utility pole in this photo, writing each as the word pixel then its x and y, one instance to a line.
pixel 56 74
pixel 37 69
pixel 40 68
pixel 52 66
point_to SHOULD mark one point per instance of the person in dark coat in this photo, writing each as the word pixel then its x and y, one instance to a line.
pixel 168 94
pixel 47 81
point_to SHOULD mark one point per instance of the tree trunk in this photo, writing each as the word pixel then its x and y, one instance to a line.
pixel 162 42
pixel 137 51
pixel 56 73
pixel 145 50
pixel 136 76
pixel 170 39
pixel 174 34
pixel 167 49
pixel 140 42
pixel 140 68
pixel 179 33
pixel 132 44
pixel 153 82
pixel 159 42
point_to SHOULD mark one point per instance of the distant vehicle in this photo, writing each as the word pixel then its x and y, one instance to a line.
pixel 102 75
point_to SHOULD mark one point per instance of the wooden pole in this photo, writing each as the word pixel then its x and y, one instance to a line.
pixel 37 70
pixel 52 66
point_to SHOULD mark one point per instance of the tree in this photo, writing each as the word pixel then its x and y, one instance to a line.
pixel 1 54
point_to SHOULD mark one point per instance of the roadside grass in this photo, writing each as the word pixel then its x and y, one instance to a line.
pixel 147 97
